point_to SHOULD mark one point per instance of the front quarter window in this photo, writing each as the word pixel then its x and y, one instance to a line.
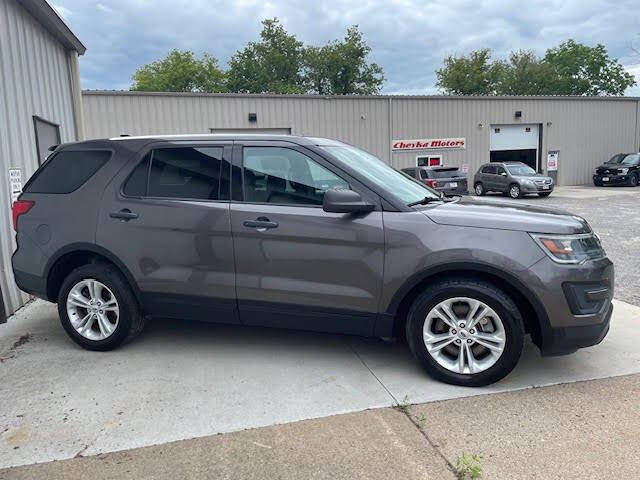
pixel 381 174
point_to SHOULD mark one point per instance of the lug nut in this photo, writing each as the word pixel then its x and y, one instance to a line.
pixel 472 331
pixel 469 340
pixel 462 325
pixel 453 332
pixel 458 342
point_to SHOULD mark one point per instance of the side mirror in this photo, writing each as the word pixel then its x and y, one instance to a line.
pixel 343 200
pixel 504 174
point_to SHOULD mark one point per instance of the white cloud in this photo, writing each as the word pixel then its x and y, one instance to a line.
pixel 409 38
pixel 62 11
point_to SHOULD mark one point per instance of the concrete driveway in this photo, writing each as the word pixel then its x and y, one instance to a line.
pixel 185 380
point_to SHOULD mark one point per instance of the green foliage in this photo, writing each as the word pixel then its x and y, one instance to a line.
pixel 278 63
pixel 341 68
pixel 583 70
pixel 468 466
pixel 568 69
pixel 473 74
pixel 271 65
pixel 180 71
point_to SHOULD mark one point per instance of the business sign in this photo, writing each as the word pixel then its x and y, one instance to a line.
pixel 429 144
pixel 15 183
pixel 552 160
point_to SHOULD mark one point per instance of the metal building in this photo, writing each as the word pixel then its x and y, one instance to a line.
pixel 40 105
pixel 575 133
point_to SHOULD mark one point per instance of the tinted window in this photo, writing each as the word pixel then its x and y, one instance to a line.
pixel 489 169
pixel 136 184
pixel 185 172
pixel 282 175
pixel 633 159
pixel 424 174
pixel 67 171
pixel 446 173
pixel 500 170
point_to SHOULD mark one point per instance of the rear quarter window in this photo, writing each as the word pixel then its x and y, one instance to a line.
pixel 67 171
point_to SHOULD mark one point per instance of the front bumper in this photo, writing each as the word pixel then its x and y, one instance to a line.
pixel 536 189
pixel 577 303
pixel 565 340
pixel 612 179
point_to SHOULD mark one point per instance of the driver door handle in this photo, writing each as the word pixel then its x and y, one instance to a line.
pixel 124 214
pixel 261 224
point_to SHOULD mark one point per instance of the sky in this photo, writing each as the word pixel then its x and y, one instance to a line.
pixel 409 38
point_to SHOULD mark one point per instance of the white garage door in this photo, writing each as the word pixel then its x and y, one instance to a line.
pixel 513 137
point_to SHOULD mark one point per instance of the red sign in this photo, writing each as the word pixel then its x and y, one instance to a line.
pixel 429 144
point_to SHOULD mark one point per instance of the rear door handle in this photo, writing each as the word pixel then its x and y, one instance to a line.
pixel 124 214
pixel 261 224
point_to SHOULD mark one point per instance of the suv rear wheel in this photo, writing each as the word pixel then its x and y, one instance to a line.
pixel 633 180
pixel 97 308
pixel 479 189
pixel 465 332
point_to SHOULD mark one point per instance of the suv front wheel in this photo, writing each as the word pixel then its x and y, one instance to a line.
pixel 97 308
pixel 465 332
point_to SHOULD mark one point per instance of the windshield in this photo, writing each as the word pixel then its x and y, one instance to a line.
pixel 381 174
pixel 616 158
pixel 631 159
pixel 521 170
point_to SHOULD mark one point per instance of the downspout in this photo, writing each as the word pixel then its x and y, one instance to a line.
pixel 76 95
pixel 390 123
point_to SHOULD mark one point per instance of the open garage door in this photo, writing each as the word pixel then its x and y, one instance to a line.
pixel 515 143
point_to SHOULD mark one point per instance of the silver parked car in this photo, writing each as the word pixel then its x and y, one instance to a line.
pixel 511 178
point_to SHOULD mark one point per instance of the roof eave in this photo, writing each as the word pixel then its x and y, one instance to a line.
pixel 53 22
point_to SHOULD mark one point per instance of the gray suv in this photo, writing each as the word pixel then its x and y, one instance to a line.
pixel 511 178
pixel 303 233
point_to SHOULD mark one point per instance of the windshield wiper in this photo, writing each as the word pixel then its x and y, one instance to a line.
pixel 424 201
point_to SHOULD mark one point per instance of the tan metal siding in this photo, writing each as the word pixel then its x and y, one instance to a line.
pixel 35 79
pixel 585 130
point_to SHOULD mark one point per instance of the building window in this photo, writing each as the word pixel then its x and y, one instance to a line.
pixel 429 160
pixel 47 134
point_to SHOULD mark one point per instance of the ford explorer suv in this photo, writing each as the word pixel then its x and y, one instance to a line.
pixel 303 233
pixel 621 169
pixel 445 179
pixel 515 179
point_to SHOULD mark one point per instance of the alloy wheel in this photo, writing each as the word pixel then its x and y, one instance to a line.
pixel 514 191
pixel 93 309
pixel 464 335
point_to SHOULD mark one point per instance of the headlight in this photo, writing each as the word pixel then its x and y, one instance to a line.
pixel 624 171
pixel 573 249
pixel 528 183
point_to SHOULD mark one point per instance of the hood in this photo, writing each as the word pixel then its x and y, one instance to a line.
pixel 537 176
pixel 485 213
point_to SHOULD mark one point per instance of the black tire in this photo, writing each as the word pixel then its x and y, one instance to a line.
pixel 130 322
pixel 597 183
pixel 633 180
pixel 492 296
pixel 512 187
pixel 544 194
pixel 478 188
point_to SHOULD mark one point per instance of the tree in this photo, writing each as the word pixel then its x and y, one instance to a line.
pixel 568 69
pixel 474 74
pixel 583 70
pixel 525 74
pixel 272 65
pixel 341 68
pixel 180 71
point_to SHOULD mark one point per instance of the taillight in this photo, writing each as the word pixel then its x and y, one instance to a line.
pixel 432 183
pixel 20 207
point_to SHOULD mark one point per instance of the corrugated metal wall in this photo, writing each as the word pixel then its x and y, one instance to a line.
pixel 586 131
pixel 35 79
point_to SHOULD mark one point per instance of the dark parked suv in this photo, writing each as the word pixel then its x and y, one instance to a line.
pixel 303 233
pixel 445 179
pixel 621 169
